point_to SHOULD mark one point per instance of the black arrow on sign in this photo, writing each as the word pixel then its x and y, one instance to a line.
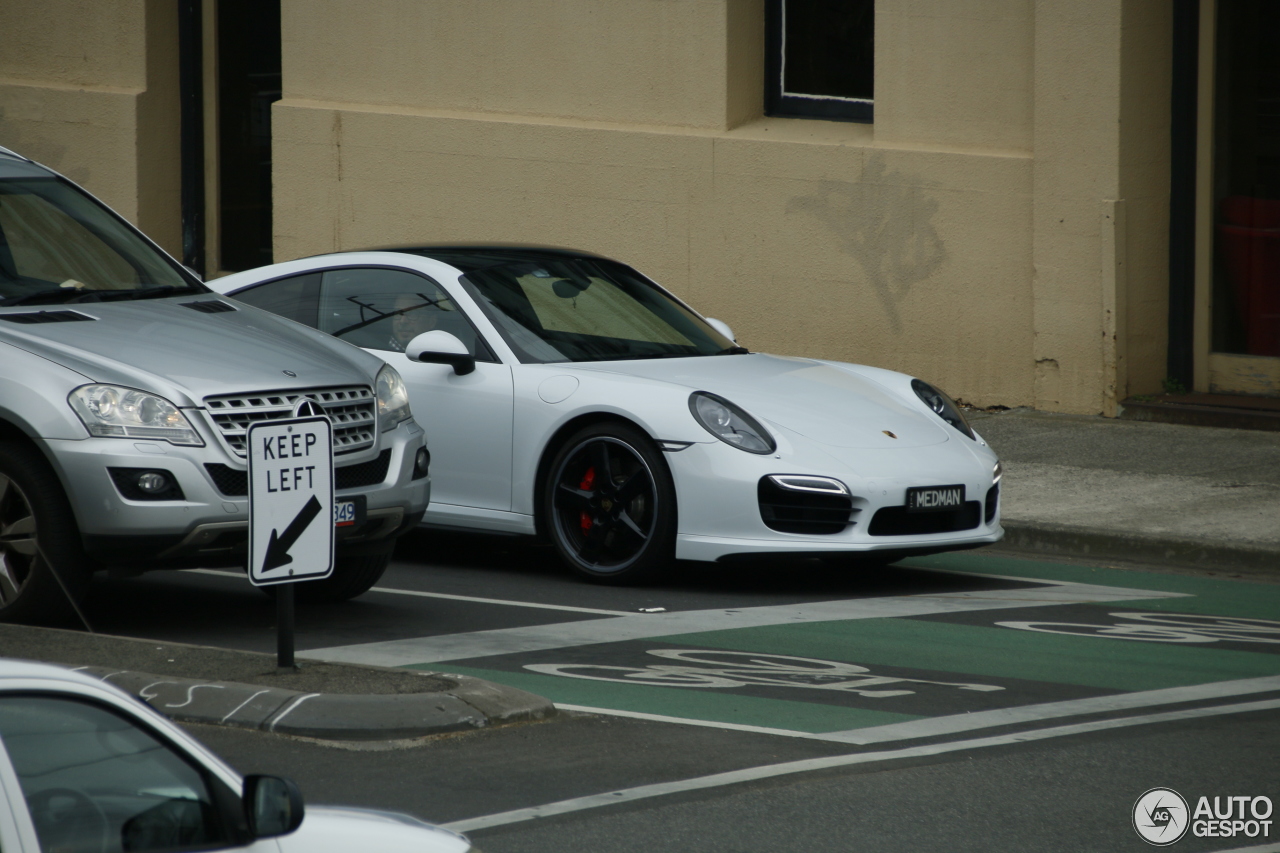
pixel 278 546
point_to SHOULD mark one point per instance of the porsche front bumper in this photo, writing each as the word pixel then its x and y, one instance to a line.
pixel 720 512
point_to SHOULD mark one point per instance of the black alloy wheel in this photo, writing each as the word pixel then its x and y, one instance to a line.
pixel 36 526
pixel 609 505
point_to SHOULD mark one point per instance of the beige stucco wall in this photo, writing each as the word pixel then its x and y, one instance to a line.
pixel 1100 210
pixel 905 243
pixel 956 73
pixel 648 62
pixel 804 236
pixel 90 89
pixel 1001 228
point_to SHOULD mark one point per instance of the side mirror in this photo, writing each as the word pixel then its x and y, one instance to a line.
pixel 272 806
pixel 722 327
pixel 440 347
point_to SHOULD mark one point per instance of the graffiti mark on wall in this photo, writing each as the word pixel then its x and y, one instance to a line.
pixel 885 223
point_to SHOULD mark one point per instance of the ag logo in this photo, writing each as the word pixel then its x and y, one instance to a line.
pixel 1160 816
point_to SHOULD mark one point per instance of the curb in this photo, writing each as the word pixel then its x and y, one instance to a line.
pixel 472 704
pixel 1064 540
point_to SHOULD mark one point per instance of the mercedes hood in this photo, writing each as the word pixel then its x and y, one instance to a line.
pixel 167 347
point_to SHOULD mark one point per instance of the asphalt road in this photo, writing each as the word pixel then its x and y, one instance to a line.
pixel 957 702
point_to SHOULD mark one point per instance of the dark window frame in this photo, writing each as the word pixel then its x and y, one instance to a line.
pixel 780 103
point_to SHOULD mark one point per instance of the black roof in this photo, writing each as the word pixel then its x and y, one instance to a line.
pixel 473 256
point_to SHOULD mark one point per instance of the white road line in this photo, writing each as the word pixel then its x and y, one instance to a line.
pixel 1265 848
pixel 955 723
pixel 769 771
pixel 447 596
pixel 503 602
pixel 685 721
pixel 506 641
pixel 1055 710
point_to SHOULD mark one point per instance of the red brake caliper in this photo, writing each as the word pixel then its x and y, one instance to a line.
pixel 588 480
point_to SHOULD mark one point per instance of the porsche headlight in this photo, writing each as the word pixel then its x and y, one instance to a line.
pixel 729 423
pixel 109 411
pixel 393 399
pixel 942 406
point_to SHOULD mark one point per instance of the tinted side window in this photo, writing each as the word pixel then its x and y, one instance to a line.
pixel 385 309
pixel 95 781
pixel 292 298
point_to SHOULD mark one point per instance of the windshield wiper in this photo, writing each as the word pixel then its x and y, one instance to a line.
pixel 130 295
pixel 734 350
pixel 639 356
pixel 70 295
pixel 43 297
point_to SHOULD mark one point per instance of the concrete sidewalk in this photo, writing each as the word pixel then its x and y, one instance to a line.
pixel 1176 496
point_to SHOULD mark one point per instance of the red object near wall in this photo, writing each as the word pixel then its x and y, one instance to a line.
pixel 1250 240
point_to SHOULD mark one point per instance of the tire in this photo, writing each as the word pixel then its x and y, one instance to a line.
pixel 353 575
pixel 609 505
pixel 38 536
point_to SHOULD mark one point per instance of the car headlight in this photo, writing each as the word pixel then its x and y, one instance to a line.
pixel 110 411
pixel 730 424
pixel 393 399
pixel 942 406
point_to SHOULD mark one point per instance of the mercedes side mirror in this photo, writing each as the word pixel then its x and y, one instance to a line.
pixel 272 806
pixel 441 347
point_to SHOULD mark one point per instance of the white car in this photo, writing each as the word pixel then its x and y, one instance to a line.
pixel 86 769
pixel 567 395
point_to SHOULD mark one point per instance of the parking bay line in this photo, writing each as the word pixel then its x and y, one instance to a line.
pixel 996 718
pixel 506 641
pixel 769 771
pixel 451 597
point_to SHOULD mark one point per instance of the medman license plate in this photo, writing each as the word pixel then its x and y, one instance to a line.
pixel 348 512
pixel 935 498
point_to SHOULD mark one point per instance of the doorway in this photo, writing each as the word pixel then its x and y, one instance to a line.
pixel 1243 204
pixel 231 75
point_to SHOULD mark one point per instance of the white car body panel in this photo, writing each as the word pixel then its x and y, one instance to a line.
pixel 863 426
pixel 324 829
pixel 475 473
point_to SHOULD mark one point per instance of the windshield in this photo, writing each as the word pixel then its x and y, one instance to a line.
pixel 57 245
pixel 588 309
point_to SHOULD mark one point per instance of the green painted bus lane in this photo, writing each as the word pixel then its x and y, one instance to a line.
pixel 1210 595
pixel 994 652
pixel 945 664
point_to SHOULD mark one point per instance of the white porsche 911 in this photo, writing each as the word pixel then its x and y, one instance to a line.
pixel 567 395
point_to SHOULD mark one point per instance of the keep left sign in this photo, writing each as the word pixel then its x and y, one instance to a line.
pixel 290 500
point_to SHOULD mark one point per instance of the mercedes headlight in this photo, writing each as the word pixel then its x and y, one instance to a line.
pixel 393 399
pixel 729 423
pixel 942 406
pixel 109 411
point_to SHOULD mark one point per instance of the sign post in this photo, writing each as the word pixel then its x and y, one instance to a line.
pixel 290 512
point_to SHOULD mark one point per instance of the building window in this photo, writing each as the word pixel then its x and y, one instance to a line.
pixel 820 59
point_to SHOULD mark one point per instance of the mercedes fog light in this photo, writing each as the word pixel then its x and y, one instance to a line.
pixel 152 482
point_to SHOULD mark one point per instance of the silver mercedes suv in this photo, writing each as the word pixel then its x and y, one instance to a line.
pixel 127 388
